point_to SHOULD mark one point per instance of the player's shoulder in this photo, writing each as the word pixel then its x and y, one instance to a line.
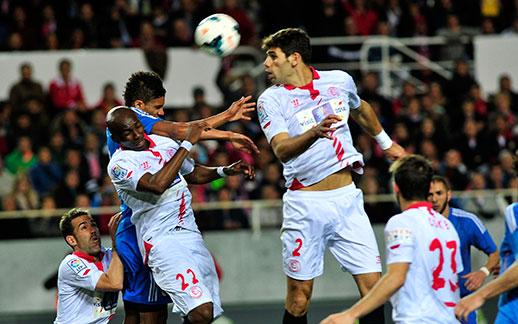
pixel 403 219
pixel 142 114
pixel 511 216
pixel 272 93
pixel 161 140
pixel 337 76
pixel 468 219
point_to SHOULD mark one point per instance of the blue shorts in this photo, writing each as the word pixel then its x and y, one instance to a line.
pixel 508 313
pixel 472 319
pixel 139 286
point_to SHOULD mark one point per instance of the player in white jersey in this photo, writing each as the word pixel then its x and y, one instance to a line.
pixel 148 173
pixel 304 117
pixel 89 279
pixel 423 258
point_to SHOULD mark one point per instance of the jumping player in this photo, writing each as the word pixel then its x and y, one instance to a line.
pixel 304 117
pixel 89 279
pixel 144 302
pixel 423 257
pixel 147 172
pixel 472 232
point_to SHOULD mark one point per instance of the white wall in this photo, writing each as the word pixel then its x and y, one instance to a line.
pixel 494 56
pixel 186 68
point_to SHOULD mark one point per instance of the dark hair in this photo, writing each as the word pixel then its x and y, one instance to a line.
pixel 290 40
pixel 25 65
pixel 65 224
pixel 443 180
pixel 63 62
pixel 413 175
pixel 144 86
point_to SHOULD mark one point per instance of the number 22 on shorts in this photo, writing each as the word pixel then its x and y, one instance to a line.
pixel 296 252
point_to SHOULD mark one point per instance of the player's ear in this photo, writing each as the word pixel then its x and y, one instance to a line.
pixel 138 104
pixel 71 240
pixel 294 59
pixel 395 187
pixel 448 196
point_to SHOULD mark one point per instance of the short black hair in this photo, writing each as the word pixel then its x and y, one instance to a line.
pixel 413 175
pixel 290 40
pixel 144 86
pixel 443 180
pixel 65 224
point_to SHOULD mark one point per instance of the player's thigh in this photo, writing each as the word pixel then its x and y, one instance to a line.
pixel 175 270
pixel 303 236
pixel 353 243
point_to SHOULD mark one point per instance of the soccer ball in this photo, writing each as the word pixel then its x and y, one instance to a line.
pixel 217 34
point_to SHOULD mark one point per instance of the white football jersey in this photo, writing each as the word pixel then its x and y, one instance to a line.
pixel 153 215
pixel 292 110
pixel 428 241
pixel 78 302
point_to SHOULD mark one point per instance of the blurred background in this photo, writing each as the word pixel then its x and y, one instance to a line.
pixel 441 74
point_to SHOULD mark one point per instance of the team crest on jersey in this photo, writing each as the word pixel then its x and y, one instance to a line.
pixel 77 265
pixel 145 165
pixel 294 265
pixel 333 91
pixel 399 235
pixel 295 102
pixel 119 172
pixel 196 292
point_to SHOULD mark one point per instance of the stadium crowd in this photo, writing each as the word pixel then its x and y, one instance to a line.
pixel 52 145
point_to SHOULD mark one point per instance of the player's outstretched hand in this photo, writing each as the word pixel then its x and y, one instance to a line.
pixel 323 129
pixel 243 143
pixel 395 152
pixel 240 168
pixel 474 280
pixel 195 129
pixel 339 318
pixel 112 225
pixel 240 108
pixel 467 305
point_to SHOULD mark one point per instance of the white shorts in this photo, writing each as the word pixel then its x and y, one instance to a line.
pixel 183 267
pixel 334 219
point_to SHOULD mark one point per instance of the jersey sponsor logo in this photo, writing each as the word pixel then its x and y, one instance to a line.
pixel 264 119
pixel 119 172
pixel 398 236
pixel 295 102
pixel 308 118
pixel 77 265
pixel 196 292
pixel 294 265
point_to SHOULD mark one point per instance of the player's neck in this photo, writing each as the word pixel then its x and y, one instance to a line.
pixel 446 211
pixel 404 204
pixel 301 76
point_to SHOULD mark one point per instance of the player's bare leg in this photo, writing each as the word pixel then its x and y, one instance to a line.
pixel 297 301
pixel 202 314
pixel 365 282
pixel 154 317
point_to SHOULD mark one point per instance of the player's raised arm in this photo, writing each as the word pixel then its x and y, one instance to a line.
pixel 367 119
pixel 113 279
pixel 286 147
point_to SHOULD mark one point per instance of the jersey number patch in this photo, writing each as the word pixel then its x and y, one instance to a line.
pixel 438 282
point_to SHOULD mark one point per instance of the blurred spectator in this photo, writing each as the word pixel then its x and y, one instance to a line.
pixel 484 205
pixel 496 177
pixel 513 29
pixel 115 30
pixel 26 88
pixel 21 26
pixel 506 161
pixel 57 147
pixel 154 51
pixel 6 180
pixel 22 158
pixel 454 170
pixel 461 82
pixel 378 212
pixel 52 42
pixel 270 216
pixel 472 145
pixel 71 126
pixel 475 94
pixel 109 99
pixel 363 16
pixel 229 218
pixel 26 197
pixel 75 161
pixel 5 126
pixel 49 24
pixel 46 174
pixel 88 23
pixel 505 86
pixel 160 23
pixel 180 33
pixel 66 193
pixel 234 9
pixel 454 48
pixel 96 161
pixel 65 91
pixel 9 204
pixel 82 201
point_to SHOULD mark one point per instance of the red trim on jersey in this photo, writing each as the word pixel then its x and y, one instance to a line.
pixel 393 247
pixel 266 125
pixel 450 304
pixel 182 209
pixel 147 248
pixel 420 204
pixel 91 258
pixel 151 142
pixel 312 91
pixel 296 185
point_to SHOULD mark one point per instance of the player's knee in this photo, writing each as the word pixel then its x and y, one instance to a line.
pixel 298 304
pixel 202 314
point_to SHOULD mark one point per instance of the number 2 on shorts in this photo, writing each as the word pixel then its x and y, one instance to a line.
pixel 181 277
pixel 297 249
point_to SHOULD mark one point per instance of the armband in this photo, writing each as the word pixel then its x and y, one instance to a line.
pixel 220 171
pixel 186 145
pixel 383 140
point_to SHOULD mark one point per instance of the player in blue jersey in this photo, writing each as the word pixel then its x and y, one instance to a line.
pixel 507 283
pixel 472 232
pixel 144 302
